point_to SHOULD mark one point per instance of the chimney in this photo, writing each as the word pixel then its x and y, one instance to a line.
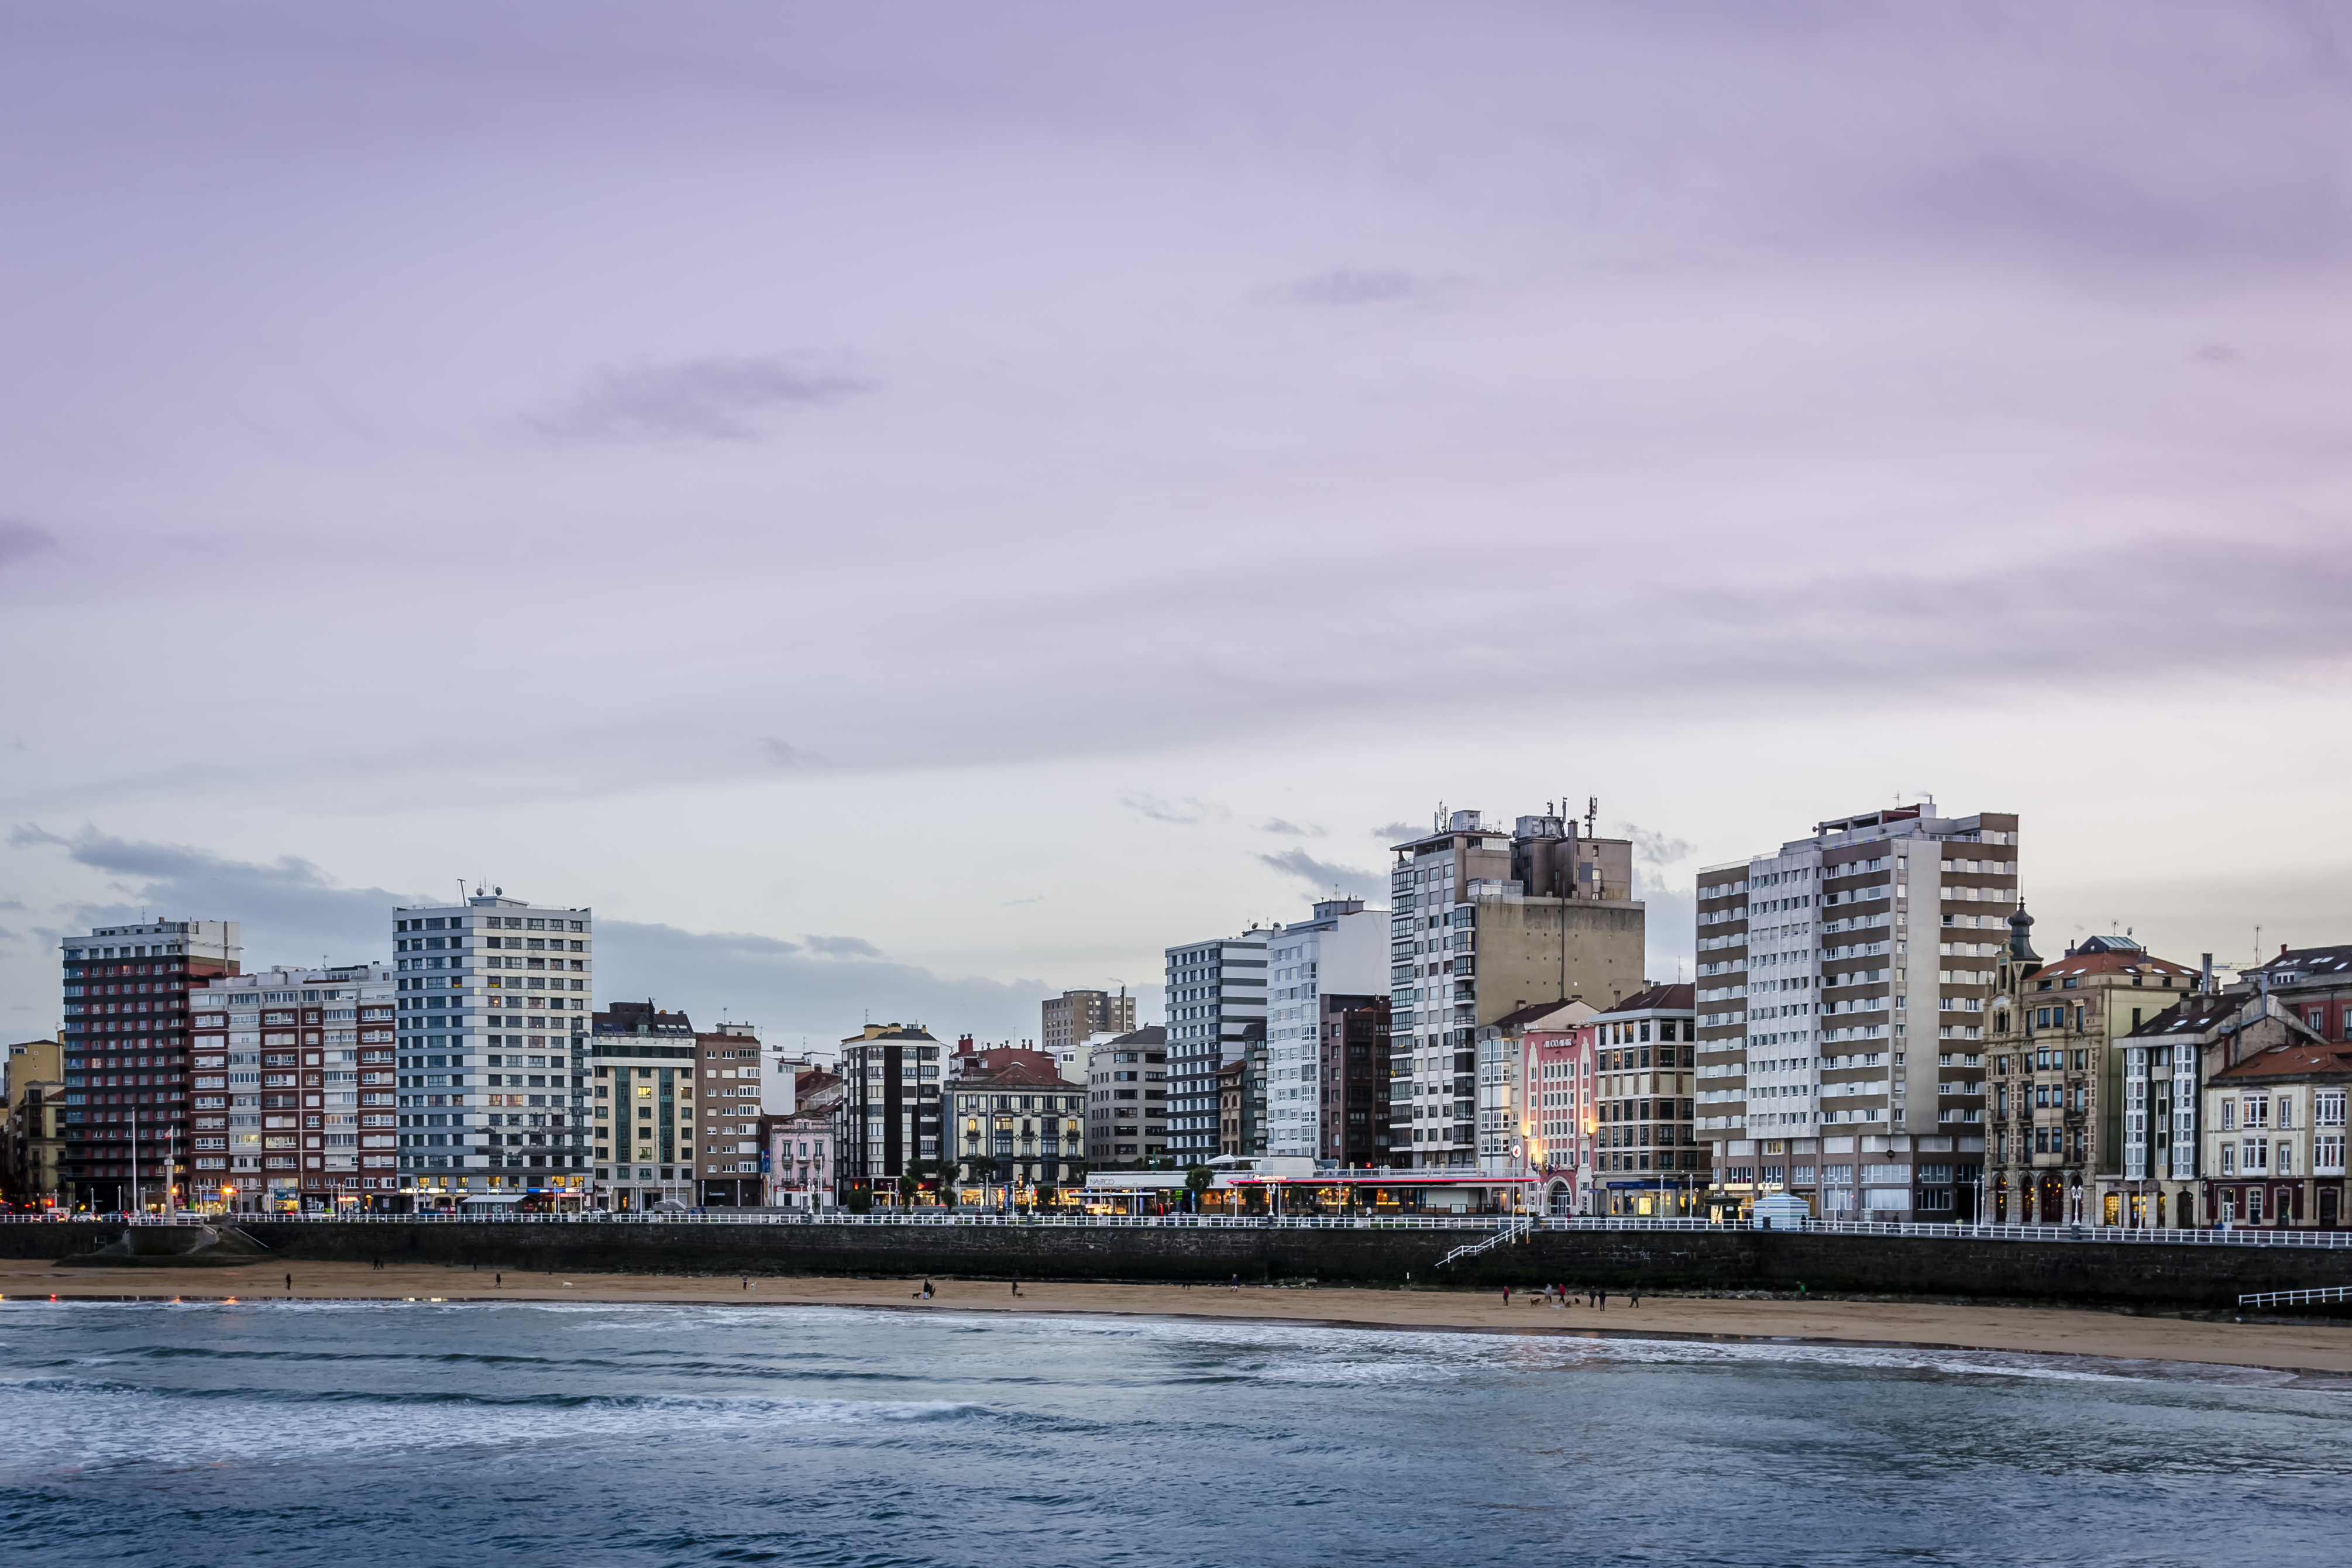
pixel 2205 986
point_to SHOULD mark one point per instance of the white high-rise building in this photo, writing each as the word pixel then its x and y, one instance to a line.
pixel 1342 950
pixel 494 997
pixel 1838 978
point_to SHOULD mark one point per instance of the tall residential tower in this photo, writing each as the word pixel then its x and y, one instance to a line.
pixel 483 989
pixel 1842 988
pixel 1483 923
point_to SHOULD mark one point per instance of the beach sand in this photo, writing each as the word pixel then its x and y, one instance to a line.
pixel 2306 1348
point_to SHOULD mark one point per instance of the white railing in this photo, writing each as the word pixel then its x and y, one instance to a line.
pixel 1510 1231
pixel 2297 1297
pixel 2237 1237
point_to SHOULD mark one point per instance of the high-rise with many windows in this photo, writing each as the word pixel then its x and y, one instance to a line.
pixel 1340 951
pixel 1484 923
pixel 126 1056
pixel 1842 987
pixel 1216 1010
pixel 493 1000
pixel 293 1100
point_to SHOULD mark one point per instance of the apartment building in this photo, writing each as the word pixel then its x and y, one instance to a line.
pixel 801 1164
pixel 1126 1098
pixel 1484 923
pixel 1503 1086
pixel 1023 1125
pixel 2313 982
pixel 1649 1156
pixel 733 1097
pixel 1216 1010
pixel 126 1060
pixel 293 1092
pixel 1836 976
pixel 2274 1130
pixel 503 978
pixel 1341 948
pixel 890 1105
pixel 1072 1017
pixel 31 1124
pixel 1560 1121
pixel 642 1107
pixel 1354 1081
pixel 2055 1088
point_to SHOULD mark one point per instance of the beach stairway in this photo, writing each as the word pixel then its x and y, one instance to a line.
pixel 1515 1229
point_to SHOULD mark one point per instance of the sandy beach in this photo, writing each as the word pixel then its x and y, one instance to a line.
pixel 2317 1348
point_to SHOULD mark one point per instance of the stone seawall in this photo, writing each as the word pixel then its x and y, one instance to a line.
pixel 2088 1273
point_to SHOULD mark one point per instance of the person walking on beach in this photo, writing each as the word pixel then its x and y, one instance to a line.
pixel 1507 1295
pixel 1637 1295
pixel 289 1282
pixel 1604 1297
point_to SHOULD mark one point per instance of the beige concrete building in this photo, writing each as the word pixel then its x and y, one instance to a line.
pixel 1072 1016
pixel 1126 1098
pixel 1842 988
pixel 1482 924
pixel 2055 1085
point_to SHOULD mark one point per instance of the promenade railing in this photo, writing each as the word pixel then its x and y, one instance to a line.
pixel 2241 1236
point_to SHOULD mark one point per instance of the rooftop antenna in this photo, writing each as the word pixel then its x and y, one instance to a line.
pixel 1591 810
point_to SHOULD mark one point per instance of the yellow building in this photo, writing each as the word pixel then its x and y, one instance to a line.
pixel 32 1132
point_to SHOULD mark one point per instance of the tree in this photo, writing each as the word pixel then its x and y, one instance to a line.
pixel 1197 1181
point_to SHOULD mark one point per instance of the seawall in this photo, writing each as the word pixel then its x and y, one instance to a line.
pixel 2084 1273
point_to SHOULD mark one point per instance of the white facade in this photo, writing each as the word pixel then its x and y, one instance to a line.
pixel 1823 1004
pixel 292 1093
pixel 483 989
pixel 1341 950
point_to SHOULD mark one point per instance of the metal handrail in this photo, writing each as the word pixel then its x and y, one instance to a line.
pixel 2236 1237
pixel 2295 1297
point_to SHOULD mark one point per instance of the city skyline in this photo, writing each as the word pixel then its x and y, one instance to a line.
pixel 867 480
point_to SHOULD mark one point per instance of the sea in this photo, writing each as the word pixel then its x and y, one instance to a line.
pixel 423 1433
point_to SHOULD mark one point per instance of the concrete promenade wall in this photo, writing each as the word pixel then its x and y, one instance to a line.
pixel 2088 1273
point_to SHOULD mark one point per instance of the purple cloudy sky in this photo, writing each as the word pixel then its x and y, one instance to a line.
pixel 909 507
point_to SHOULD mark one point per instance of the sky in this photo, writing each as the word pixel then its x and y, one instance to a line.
pixel 905 509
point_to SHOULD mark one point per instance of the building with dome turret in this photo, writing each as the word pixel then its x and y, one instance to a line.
pixel 2054 1092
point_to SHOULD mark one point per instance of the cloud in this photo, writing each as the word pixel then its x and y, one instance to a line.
pixel 794 990
pixel 1656 848
pixel 1276 825
pixel 1364 286
pixel 1322 874
pixel 710 399
pixel 1398 831
pixel 292 912
pixel 21 541
pixel 1182 814
pixel 783 754
pixel 843 947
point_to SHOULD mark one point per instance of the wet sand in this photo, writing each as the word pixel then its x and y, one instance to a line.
pixel 2320 1349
